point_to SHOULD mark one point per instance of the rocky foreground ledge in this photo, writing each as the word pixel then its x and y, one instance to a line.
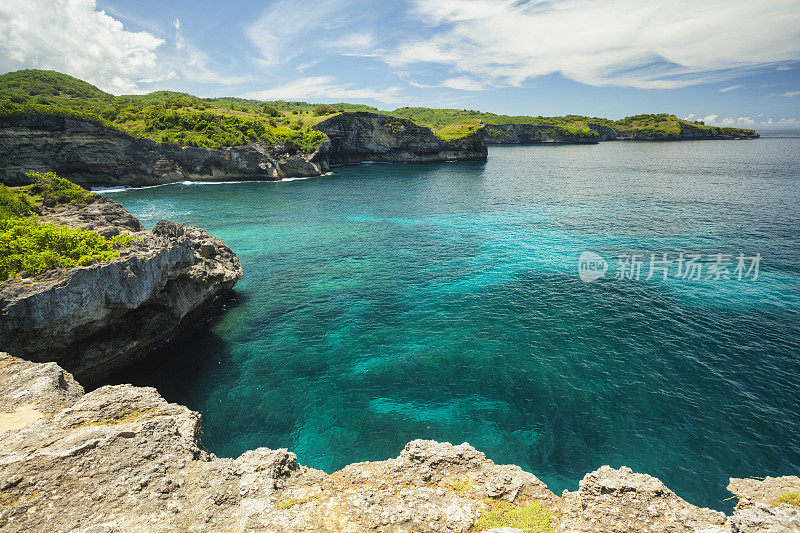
pixel 95 319
pixel 121 458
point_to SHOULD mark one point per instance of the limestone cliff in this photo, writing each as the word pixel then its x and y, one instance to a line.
pixel 686 132
pixel 363 136
pixel 533 134
pixel 92 155
pixel 94 319
pixel 121 458
pixel 539 134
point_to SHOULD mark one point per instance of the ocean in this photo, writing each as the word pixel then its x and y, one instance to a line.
pixel 383 303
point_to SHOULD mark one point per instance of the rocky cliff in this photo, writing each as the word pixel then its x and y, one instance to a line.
pixel 92 155
pixel 537 134
pixel 532 134
pixel 121 458
pixel 363 136
pixel 96 318
pixel 687 132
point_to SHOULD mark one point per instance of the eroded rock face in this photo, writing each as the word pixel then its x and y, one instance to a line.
pixel 94 319
pixel 620 500
pixel 92 155
pixel 121 458
pixel 362 136
pixel 758 508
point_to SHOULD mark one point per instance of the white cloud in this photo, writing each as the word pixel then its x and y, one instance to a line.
pixel 354 42
pixel 731 88
pixel 288 29
pixel 783 121
pixel 463 83
pixel 72 36
pixel 784 67
pixel 326 87
pixel 179 43
pixel 714 120
pixel 791 93
pixel 653 44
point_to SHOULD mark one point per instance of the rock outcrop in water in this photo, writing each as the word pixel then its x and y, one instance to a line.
pixel 121 458
pixel 92 155
pixel 94 319
pixel 363 136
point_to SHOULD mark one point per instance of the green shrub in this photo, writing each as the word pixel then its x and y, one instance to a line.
pixel 270 111
pixel 26 245
pixel 13 204
pixel 324 109
pixel 49 185
pixel 531 517
pixel 789 497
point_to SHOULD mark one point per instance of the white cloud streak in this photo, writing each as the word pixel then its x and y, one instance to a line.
pixel 179 42
pixel 655 44
pixel 327 88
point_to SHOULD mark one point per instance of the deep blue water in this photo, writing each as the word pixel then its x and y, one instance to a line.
pixel 384 303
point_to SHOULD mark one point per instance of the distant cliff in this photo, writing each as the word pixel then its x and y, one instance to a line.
pixel 671 129
pixel 93 155
pixel 681 130
pixel 364 136
pixel 536 133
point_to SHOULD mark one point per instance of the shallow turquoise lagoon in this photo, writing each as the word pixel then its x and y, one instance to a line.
pixel 388 302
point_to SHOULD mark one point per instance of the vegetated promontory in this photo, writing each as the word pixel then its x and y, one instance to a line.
pixel 53 122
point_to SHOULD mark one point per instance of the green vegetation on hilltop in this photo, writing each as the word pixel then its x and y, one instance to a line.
pixel 163 116
pixel 27 245
pixel 652 126
pixel 182 119
pixel 664 126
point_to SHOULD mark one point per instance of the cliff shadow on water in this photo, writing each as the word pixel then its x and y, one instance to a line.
pixel 193 356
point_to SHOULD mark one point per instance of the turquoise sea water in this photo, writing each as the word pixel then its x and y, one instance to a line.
pixel 389 302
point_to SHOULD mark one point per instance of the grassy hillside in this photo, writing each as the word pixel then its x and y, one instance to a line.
pixel 183 119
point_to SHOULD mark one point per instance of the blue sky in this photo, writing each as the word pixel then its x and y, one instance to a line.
pixel 730 62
